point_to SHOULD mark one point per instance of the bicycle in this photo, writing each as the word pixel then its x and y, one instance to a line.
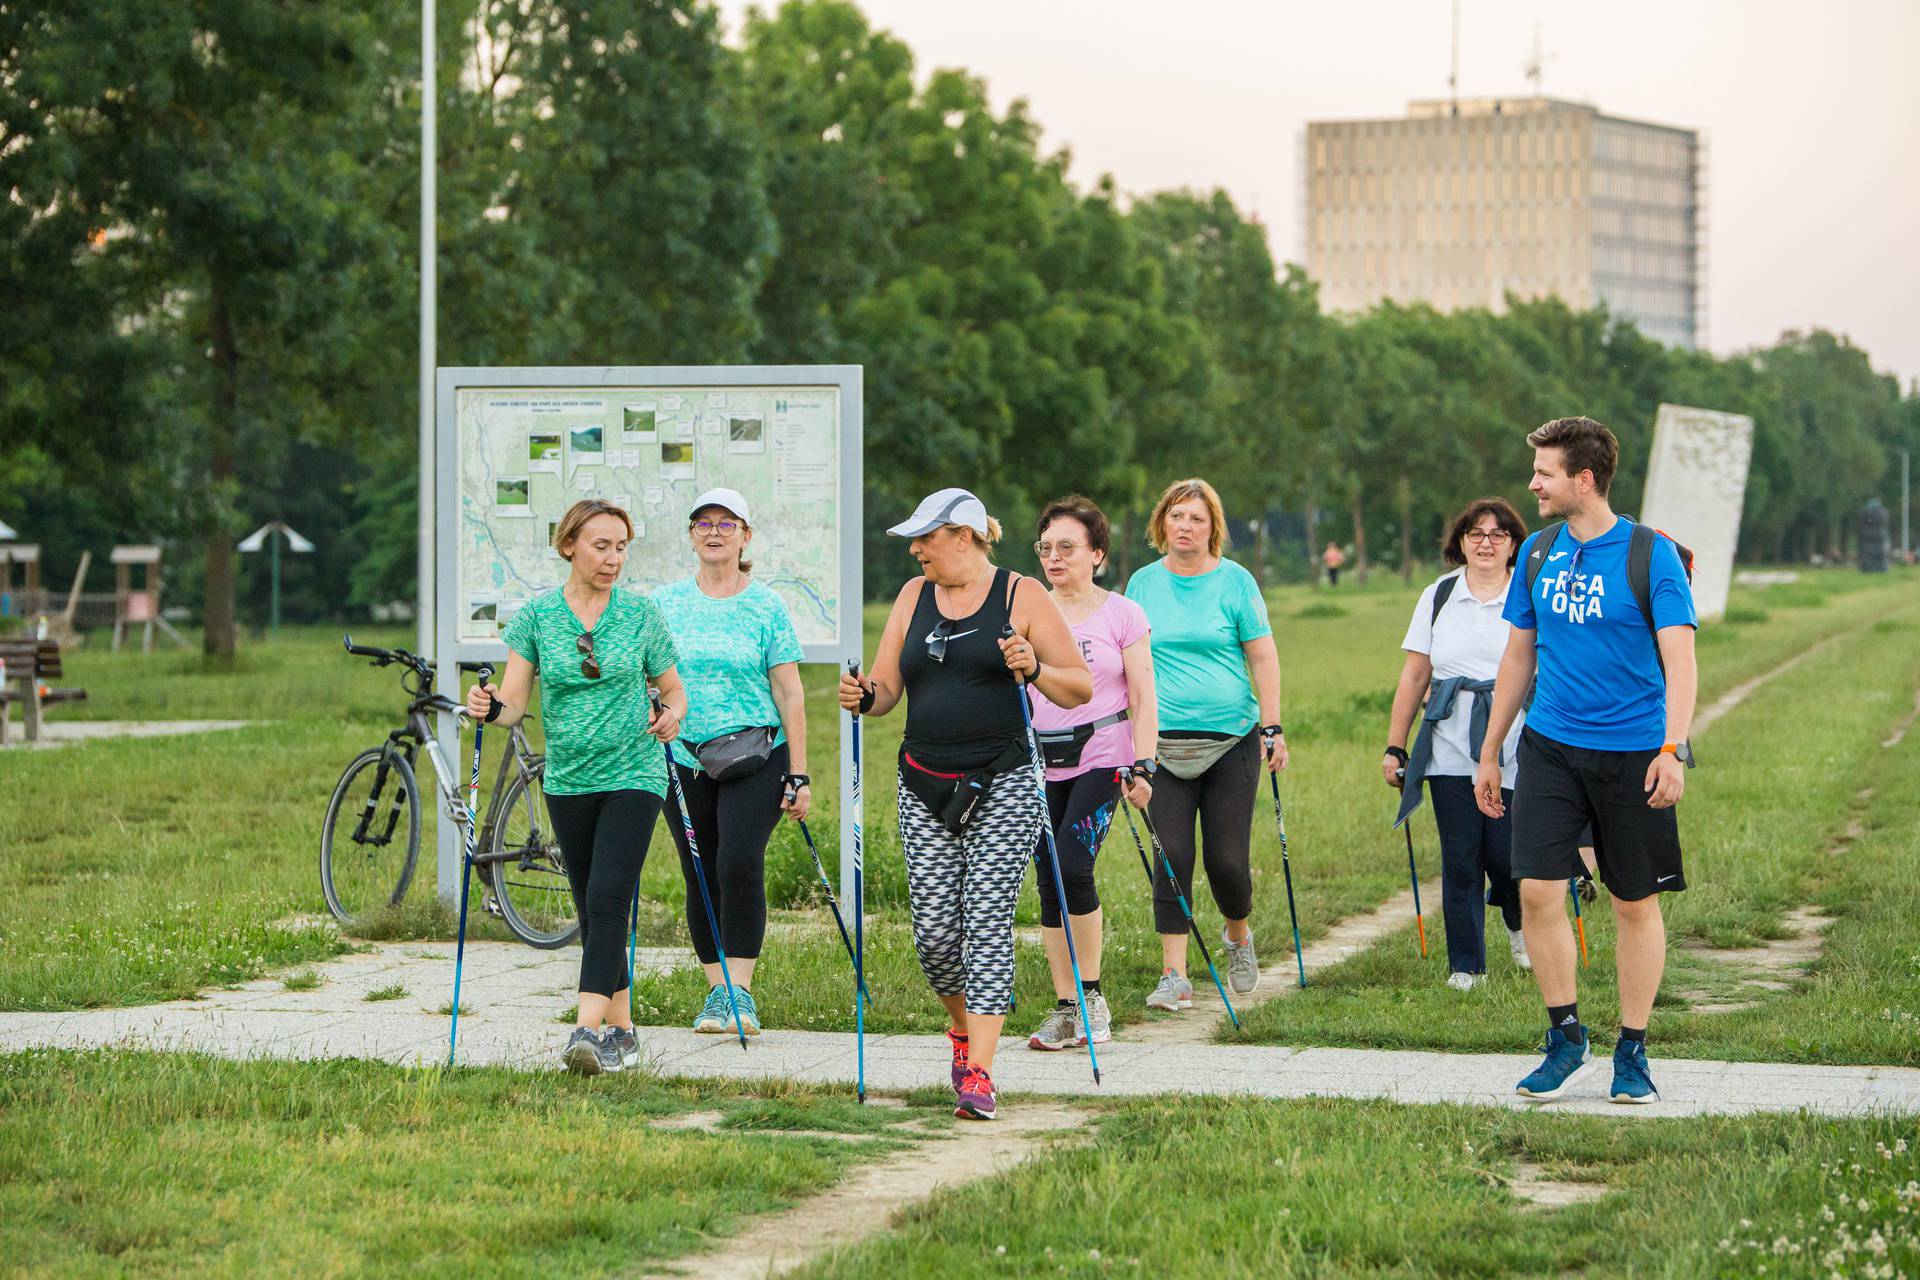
pixel 367 861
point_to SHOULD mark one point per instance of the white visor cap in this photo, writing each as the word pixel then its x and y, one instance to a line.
pixel 949 506
pixel 731 499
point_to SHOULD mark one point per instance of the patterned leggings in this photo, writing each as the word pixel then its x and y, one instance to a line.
pixel 963 889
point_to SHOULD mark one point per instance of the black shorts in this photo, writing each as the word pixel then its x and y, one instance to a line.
pixel 1560 790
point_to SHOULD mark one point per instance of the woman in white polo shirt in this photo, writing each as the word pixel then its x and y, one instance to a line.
pixel 1454 642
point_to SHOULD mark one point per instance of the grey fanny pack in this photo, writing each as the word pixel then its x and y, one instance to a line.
pixel 735 755
pixel 1190 755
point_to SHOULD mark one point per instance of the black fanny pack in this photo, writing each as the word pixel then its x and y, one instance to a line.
pixel 1061 748
pixel 735 755
pixel 952 797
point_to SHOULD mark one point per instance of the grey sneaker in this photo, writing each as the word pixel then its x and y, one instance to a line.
pixel 624 1040
pixel 1060 1030
pixel 1173 994
pixel 1100 1016
pixel 583 1054
pixel 1243 970
pixel 1517 945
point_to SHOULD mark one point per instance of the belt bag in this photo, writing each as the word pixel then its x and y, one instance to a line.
pixel 1189 757
pixel 737 754
pixel 1061 748
pixel 951 797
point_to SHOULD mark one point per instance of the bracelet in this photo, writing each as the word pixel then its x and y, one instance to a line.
pixel 1398 753
pixel 795 781
pixel 1036 669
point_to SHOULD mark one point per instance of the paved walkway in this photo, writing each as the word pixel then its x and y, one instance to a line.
pixel 516 996
pixel 61 733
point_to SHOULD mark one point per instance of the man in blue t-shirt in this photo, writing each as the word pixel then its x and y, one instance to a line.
pixel 1605 743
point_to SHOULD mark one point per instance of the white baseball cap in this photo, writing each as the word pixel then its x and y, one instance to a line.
pixel 731 499
pixel 949 506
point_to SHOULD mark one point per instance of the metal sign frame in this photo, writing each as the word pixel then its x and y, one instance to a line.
pixel 449 649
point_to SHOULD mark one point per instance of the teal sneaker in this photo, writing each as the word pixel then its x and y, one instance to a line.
pixel 713 1018
pixel 1556 1071
pixel 749 1013
pixel 1631 1080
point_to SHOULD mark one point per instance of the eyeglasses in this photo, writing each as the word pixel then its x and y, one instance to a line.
pixel 588 667
pixel 721 527
pixel 1495 536
pixel 937 639
pixel 1045 550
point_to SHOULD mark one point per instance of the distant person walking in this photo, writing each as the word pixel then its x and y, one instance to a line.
pixel 1217 677
pixel 1454 643
pixel 1605 622
pixel 970 805
pixel 596 650
pixel 1334 559
pixel 1084 746
pixel 743 747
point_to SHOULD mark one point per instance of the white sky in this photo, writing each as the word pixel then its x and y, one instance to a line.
pixel 1811 113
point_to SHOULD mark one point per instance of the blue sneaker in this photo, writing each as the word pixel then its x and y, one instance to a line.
pixel 713 1018
pixel 1631 1081
pixel 749 1014
pixel 1563 1061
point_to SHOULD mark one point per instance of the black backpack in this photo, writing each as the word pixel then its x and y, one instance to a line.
pixel 1639 567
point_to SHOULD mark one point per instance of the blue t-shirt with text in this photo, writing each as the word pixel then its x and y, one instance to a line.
pixel 1599 685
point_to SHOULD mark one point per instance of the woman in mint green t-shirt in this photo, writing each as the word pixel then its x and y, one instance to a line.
pixel 1218 679
pixel 741 661
pixel 596 650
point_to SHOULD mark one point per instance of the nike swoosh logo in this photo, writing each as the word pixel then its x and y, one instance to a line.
pixel 1556 556
pixel 955 635
pixel 1664 879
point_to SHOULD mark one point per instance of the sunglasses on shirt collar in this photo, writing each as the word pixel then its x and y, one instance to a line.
pixel 588 667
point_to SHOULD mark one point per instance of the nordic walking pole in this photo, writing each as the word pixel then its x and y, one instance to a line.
pixel 820 870
pixel 1414 876
pixel 1286 866
pixel 1053 857
pixel 1126 775
pixel 700 878
pixel 466 878
pixel 859 915
pixel 1579 924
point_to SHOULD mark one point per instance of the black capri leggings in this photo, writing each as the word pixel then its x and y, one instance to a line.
pixel 1079 809
pixel 603 838
pixel 732 821
pixel 1222 798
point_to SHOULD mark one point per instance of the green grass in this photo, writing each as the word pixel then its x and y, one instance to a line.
pixel 1779 784
pixel 1222 1188
pixel 337 1168
pixel 397 991
pixel 305 980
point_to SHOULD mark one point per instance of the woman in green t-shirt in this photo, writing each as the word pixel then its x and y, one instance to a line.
pixel 1218 679
pixel 596 651
pixel 741 660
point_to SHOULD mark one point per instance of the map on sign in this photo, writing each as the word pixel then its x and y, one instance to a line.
pixel 527 454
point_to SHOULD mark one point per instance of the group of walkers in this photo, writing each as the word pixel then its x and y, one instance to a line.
pixel 1165 697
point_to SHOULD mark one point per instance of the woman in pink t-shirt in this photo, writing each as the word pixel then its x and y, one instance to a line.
pixel 1084 746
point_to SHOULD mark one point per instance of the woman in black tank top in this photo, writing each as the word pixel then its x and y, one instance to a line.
pixel 970 805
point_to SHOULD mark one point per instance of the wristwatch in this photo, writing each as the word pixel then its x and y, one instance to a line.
pixel 1146 769
pixel 1681 751
pixel 1269 731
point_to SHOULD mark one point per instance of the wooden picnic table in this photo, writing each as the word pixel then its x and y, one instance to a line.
pixel 30 662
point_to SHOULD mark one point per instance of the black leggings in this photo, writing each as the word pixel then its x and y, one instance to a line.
pixel 1222 798
pixel 732 822
pixel 603 838
pixel 1079 809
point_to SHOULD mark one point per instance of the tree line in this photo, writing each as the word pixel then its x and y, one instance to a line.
pixel 209 253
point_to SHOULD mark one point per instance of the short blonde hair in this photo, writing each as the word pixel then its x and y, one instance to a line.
pixel 568 530
pixel 1184 491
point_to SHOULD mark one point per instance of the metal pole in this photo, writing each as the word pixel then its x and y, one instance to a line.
pixel 1906 506
pixel 273 543
pixel 449 869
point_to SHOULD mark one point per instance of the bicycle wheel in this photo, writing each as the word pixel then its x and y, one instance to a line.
pixel 529 876
pixel 371 836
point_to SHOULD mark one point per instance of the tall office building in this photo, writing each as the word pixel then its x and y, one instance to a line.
pixel 1461 203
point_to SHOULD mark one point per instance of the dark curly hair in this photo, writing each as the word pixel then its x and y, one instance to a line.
pixel 1502 511
pixel 1082 508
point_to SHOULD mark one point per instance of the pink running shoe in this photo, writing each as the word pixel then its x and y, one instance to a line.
pixel 977 1098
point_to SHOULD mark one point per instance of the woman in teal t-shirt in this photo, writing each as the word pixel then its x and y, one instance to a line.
pixel 741 662
pixel 1218 679
pixel 596 651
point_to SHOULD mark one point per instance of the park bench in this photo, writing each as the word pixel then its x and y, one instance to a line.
pixel 30 661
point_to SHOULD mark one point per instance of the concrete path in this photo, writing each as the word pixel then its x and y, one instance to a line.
pixel 515 996
pixel 61 733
